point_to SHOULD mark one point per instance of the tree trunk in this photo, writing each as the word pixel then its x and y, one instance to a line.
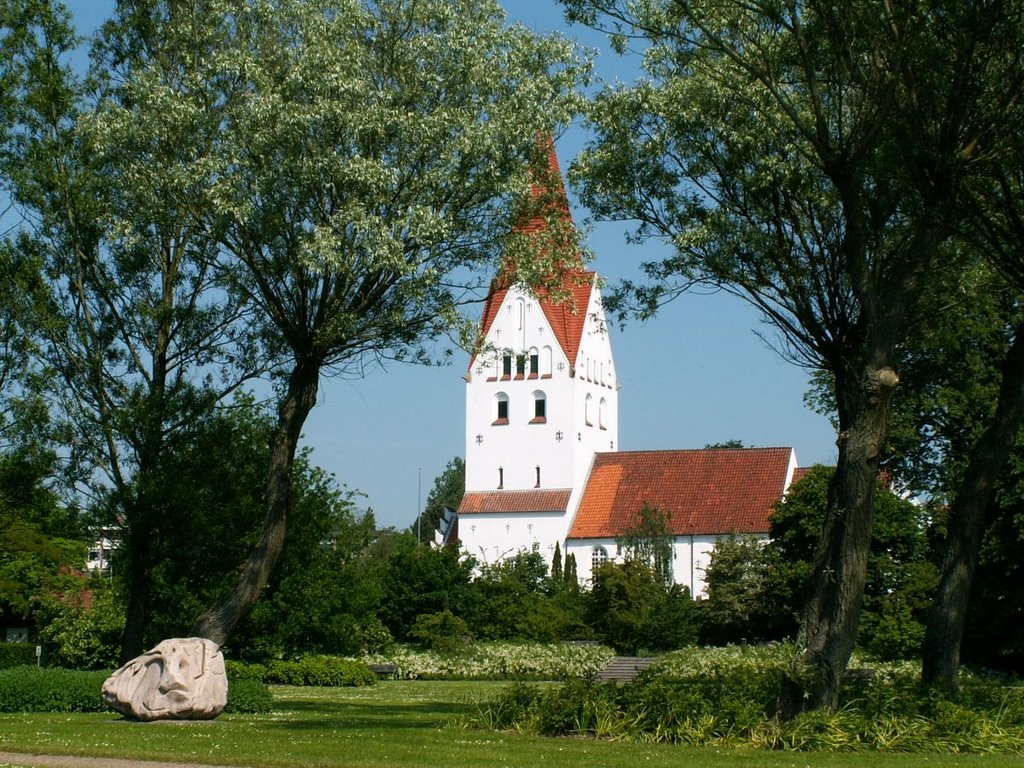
pixel 966 526
pixel 138 578
pixel 834 589
pixel 217 622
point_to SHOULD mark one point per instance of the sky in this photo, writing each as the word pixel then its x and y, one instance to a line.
pixel 697 373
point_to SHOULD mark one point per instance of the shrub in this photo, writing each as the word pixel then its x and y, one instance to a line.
pixel 726 697
pixel 30 689
pixel 319 671
pixel 84 636
pixel 16 655
pixel 443 631
pixel 248 696
pixel 499 661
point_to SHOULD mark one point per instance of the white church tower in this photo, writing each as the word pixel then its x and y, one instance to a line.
pixel 541 400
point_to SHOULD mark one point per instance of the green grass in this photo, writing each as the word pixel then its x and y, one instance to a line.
pixel 398 723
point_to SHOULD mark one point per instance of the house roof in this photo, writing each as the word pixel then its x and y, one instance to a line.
pixel 568 314
pixel 555 500
pixel 705 492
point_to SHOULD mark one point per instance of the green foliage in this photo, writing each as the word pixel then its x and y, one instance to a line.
pixel 42 542
pixel 647 538
pixel 28 689
pixel 447 492
pixel 16 655
pixel 417 580
pixel 754 588
pixel 316 671
pixel 515 599
pixel 899 580
pixel 83 634
pixel 630 608
pixel 323 595
pixel 752 593
pixel 248 696
pixel 499 661
pixel 442 631
pixel 727 697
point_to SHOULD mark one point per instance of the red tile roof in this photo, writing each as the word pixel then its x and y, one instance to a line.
pixel 706 492
pixel 515 501
pixel 568 315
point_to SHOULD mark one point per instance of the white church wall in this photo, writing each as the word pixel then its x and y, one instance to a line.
pixel 492 537
pixel 691 556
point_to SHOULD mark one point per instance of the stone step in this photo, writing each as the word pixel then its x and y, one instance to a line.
pixel 623 669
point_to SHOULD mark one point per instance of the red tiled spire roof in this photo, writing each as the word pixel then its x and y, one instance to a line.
pixel 706 492
pixel 567 315
pixel 555 500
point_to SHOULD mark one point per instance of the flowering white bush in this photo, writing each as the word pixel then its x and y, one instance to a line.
pixel 498 661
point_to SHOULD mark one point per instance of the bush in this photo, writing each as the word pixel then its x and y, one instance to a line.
pixel 16 655
pixel 726 697
pixel 319 671
pixel 30 689
pixel 499 661
pixel 248 696
pixel 443 631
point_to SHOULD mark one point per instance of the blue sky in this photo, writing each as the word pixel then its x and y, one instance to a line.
pixel 695 374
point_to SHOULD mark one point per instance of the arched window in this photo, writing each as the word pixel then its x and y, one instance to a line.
pixel 598 556
pixel 602 414
pixel 534 363
pixel 588 410
pixel 501 405
pixel 545 361
pixel 540 408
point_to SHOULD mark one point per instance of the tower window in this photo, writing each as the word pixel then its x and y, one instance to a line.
pixel 534 363
pixel 538 478
pixel 588 407
pixel 602 414
pixel 520 366
pixel 501 478
pixel 506 366
pixel 501 399
pixel 540 408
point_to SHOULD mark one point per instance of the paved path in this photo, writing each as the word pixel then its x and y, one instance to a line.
pixel 70 761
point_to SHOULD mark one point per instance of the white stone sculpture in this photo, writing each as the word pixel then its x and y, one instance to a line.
pixel 179 679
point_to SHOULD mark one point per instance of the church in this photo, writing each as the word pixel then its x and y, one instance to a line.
pixel 543 465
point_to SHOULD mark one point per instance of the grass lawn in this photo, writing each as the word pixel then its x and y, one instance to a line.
pixel 392 724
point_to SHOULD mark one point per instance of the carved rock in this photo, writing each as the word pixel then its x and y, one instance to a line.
pixel 179 679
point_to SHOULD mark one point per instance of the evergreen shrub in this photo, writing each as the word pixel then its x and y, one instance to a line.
pixel 16 655
pixel 727 698
pixel 248 696
pixel 319 671
pixel 30 689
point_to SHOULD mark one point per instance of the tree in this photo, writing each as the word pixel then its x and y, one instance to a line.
pixel 449 488
pixel 137 342
pixel 372 156
pixel 647 538
pixel 811 159
pixel 631 609
pixel 741 604
pixel 42 543
pixel 996 226
pixel 421 580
